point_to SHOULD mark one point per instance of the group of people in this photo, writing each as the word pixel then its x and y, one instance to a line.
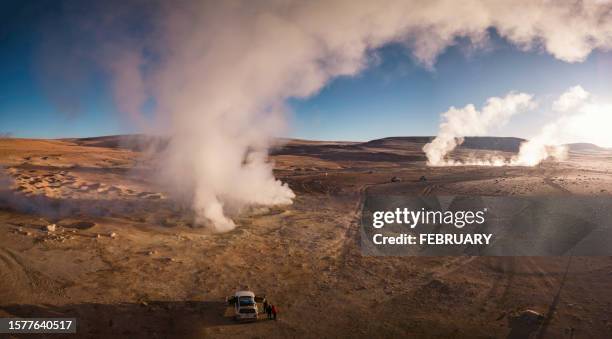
pixel 270 309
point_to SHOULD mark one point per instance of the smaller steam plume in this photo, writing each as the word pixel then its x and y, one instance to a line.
pixel 460 122
pixel 546 144
pixel 579 117
pixel 571 99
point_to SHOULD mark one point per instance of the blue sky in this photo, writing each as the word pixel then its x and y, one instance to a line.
pixel 398 97
pixel 394 96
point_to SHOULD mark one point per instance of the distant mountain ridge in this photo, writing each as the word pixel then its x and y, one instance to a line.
pixel 134 142
pixel 506 144
pixel 138 142
pixel 585 147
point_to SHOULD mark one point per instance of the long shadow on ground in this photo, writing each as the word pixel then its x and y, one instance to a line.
pixel 154 319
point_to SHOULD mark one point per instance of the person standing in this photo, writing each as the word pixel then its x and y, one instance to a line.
pixel 265 306
pixel 274 311
pixel 269 311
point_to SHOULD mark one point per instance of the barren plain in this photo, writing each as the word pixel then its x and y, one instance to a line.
pixel 85 233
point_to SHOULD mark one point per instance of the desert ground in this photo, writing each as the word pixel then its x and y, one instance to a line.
pixel 85 233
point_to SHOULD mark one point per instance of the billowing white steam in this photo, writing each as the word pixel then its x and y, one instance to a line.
pixel 547 143
pixel 468 121
pixel 578 118
pixel 571 99
pixel 219 72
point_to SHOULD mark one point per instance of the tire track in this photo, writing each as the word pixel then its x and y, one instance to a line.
pixel 555 302
pixel 22 274
pixel 550 182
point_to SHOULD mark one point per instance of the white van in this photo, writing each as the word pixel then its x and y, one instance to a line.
pixel 245 307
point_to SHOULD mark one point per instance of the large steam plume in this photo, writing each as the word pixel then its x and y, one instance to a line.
pixel 219 72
